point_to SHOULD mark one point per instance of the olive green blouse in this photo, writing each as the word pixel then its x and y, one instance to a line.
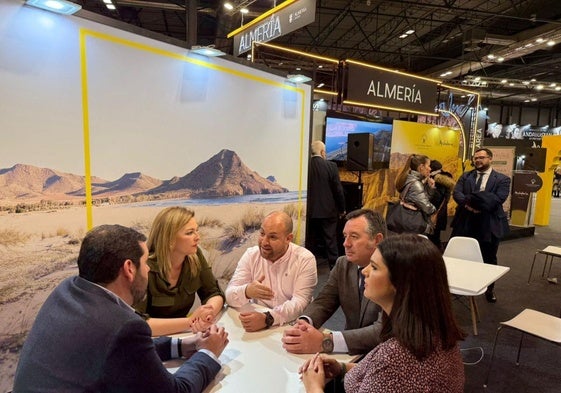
pixel 163 301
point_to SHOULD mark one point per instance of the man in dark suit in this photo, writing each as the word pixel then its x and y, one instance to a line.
pixel 363 231
pixel 480 195
pixel 326 203
pixel 87 337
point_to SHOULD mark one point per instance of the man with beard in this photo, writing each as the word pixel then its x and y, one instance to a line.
pixel 480 195
pixel 88 338
pixel 276 273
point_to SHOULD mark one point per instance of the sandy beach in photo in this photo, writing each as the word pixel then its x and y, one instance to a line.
pixel 44 246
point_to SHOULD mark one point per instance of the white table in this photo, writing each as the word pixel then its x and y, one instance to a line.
pixel 255 362
pixel 472 277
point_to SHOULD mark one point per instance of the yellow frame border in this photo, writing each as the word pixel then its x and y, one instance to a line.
pixel 84 33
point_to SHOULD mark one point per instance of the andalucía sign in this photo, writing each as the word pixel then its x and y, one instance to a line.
pixel 276 22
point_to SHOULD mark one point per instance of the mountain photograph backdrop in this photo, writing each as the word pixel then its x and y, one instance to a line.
pixel 222 175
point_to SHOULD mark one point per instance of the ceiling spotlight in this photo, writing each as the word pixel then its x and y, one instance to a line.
pixel 540 40
pixel 511 84
pixel 491 56
pixel 110 6
pixel 59 6
pixel 550 43
pixel 209 51
pixel 500 59
pixel 410 31
pixel 244 11
pixel 228 6
pixel 539 87
pixel 298 78
pixel 320 85
pixel 525 82
pixel 526 100
pixel 557 88
pixel 504 81
pixel 553 84
pixel 534 99
pixel 403 36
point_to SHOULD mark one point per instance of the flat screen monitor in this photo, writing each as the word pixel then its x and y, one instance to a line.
pixel 339 126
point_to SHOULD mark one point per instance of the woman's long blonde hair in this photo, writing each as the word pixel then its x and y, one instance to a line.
pixel 162 238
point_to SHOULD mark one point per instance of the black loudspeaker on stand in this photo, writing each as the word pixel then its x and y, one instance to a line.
pixel 360 149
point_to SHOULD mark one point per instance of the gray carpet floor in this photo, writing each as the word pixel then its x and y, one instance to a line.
pixel 540 361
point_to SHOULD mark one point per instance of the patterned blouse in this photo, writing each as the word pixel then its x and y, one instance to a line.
pixel 390 367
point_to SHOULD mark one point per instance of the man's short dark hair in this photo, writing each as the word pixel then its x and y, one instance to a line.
pixel 105 249
pixel 487 151
pixel 376 223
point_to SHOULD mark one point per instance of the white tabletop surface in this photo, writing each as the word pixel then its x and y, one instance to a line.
pixel 472 277
pixel 255 362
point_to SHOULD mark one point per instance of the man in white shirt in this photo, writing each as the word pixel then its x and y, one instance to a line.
pixel 277 274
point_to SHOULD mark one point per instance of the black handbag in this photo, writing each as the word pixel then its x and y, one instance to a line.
pixel 400 219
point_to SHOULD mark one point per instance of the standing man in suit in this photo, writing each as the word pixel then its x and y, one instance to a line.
pixel 326 204
pixel 363 231
pixel 480 195
pixel 88 338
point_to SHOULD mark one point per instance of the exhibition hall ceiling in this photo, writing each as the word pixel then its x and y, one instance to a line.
pixel 508 50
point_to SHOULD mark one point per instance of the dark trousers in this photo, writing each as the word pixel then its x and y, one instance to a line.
pixel 322 234
pixel 489 252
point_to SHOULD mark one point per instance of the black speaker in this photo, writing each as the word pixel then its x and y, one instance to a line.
pixel 535 159
pixel 360 148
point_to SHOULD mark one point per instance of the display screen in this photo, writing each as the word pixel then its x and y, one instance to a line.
pixel 337 129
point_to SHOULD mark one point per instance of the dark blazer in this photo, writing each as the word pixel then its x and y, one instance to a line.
pixel 87 340
pixel 492 220
pixel 325 192
pixel 363 321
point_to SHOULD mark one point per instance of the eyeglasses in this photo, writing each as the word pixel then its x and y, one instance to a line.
pixel 480 157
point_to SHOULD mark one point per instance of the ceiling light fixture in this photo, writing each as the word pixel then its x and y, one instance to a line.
pixel 209 51
pixel 228 6
pixel 59 6
pixel 410 31
pixel 298 78
pixel 550 43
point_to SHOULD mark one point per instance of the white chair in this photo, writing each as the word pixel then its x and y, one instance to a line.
pixel 535 323
pixel 466 248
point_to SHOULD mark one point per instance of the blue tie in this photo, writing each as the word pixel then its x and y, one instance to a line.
pixel 479 181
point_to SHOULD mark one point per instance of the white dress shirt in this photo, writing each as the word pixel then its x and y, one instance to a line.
pixel 292 278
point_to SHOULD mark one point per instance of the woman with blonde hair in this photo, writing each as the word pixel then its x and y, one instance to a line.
pixel 178 271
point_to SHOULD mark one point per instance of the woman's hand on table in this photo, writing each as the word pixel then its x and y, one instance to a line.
pixel 313 372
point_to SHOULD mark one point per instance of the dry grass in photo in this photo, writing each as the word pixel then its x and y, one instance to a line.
pixel 10 237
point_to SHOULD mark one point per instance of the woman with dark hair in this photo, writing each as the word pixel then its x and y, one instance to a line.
pixel 419 351
pixel 443 186
pixel 416 187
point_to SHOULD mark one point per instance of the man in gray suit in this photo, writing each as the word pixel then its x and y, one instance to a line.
pixel 87 337
pixel 363 231
pixel 325 204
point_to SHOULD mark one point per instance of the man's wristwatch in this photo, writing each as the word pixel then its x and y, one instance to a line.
pixel 327 343
pixel 269 320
